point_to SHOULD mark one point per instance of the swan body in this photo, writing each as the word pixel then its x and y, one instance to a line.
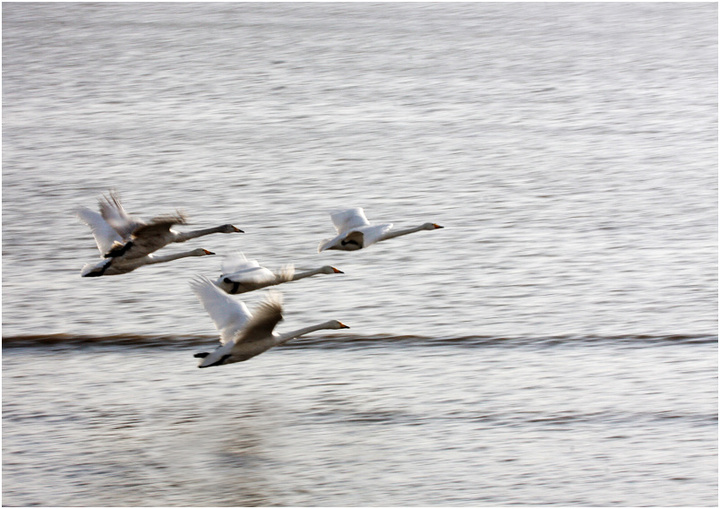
pixel 121 265
pixel 240 275
pixel 355 232
pixel 120 235
pixel 244 335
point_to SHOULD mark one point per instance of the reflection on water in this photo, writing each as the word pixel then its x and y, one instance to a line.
pixel 562 424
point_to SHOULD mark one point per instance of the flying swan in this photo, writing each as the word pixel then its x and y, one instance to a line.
pixel 121 265
pixel 355 231
pixel 242 334
pixel 240 275
pixel 117 234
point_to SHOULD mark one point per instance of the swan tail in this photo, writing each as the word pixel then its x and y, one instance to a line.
pixel 95 269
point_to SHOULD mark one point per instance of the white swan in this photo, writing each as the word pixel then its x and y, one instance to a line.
pixel 240 275
pixel 117 234
pixel 122 265
pixel 242 334
pixel 355 231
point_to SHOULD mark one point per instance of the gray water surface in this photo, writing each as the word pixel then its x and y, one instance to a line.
pixel 555 343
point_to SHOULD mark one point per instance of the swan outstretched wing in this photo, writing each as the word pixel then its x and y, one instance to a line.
pixel 348 219
pixel 362 236
pixel 236 262
pixel 285 273
pixel 267 315
pixel 239 269
pixel 160 224
pixel 105 235
pixel 252 275
pixel 228 314
pixel 372 234
pixel 113 212
pixel 155 234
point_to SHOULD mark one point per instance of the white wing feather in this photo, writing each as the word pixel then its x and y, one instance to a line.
pixel 104 234
pixel 256 275
pixel 114 213
pixel 235 262
pixel 349 219
pixel 228 314
pixel 372 234
pixel 239 269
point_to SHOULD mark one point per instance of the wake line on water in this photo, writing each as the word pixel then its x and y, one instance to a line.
pixel 333 341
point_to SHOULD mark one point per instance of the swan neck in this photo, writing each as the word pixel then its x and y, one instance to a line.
pixel 282 338
pixel 183 236
pixel 396 233
pixel 169 258
pixel 307 273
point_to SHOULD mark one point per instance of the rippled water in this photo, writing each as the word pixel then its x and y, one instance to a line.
pixel 556 343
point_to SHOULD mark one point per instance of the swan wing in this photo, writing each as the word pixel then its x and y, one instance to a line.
pixel 349 219
pixel 372 234
pixel 362 236
pixel 155 234
pixel 267 315
pixel 228 314
pixel 113 212
pixel 239 269
pixel 285 273
pixel 251 275
pixel 235 262
pixel 352 237
pixel 104 234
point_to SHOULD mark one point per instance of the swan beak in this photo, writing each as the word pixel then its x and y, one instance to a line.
pixel 237 230
pixel 337 271
pixel 208 252
pixel 437 226
pixel 343 326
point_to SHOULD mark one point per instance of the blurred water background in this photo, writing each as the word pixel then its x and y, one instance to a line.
pixel 556 343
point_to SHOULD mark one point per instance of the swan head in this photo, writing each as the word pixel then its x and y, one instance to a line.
pixel 201 252
pixel 328 269
pixel 432 226
pixel 228 228
pixel 335 324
